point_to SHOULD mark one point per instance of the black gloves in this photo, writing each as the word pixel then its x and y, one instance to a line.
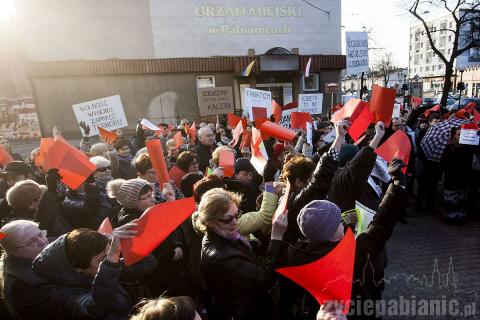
pixel 52 177
pixel 395 171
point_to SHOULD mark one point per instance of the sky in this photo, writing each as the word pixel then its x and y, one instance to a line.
pixel 388 23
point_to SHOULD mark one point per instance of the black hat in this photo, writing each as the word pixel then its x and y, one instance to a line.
pixel 323 124
pixel 17 167
pixel 243 164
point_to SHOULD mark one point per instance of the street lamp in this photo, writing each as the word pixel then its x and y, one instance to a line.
pixel 460 86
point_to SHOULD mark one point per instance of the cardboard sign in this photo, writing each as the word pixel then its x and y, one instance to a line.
pixel 105 112
pixel 257 98
pixel 311 103
pixel 356 52
pixel 330 278
pixel 213 101
pixel 469 135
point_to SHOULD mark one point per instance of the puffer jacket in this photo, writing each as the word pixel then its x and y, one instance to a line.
pixel 349 182
pixel 238 279
pixel 368 246
pixel 25 292
pixel 77 295
pixel 316 190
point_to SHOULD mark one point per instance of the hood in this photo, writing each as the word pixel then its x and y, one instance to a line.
pixel 304 251
pixel 52 264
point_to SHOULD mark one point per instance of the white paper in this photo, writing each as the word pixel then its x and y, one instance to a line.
pixel 329 137
pixel 257 98
pixel 375 186
pixel 309 133
pixel 469 136
pixel 285 120
pixel 311 103
pixel 150 126
pixel 105 112
pixel 396 111
pixel 380 170
pixel 315 125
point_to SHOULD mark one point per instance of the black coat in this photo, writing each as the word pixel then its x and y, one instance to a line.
pixel 316 190
pixel 76 295
pixel 368 245
pixel 204 154
pixel 349 182
pixel 238 279
pixel 49 217
pixel 249 194
pixel 25 292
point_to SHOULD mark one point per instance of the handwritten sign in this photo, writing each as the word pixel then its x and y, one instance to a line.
pixel 257 98
pixel 311 103
pixel 213 101
pixel 468 135
pixel 357 52
pixel 105 112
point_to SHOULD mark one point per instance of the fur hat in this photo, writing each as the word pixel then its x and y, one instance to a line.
pixel 24 193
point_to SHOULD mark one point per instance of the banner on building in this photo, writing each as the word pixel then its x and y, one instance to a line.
pixel 105 112
pixel 213 101
pixel 311 103
pixel 357 52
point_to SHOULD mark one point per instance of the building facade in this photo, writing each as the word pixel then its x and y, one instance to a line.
pixel 155 54
pixel 396 79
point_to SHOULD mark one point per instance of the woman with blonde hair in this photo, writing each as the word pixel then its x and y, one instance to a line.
pixel 238 279
pixel 176 308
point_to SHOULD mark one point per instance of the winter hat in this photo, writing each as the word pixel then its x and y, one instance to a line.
pixel 17 167
pixel 243 164
pixel 100 162
pixel 347 153
pixel 23 193
pixel 319 220
pixel 129 192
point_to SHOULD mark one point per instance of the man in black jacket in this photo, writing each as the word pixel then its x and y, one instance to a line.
pixel 206 142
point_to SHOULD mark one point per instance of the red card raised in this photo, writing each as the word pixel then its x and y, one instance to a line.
pixel 259 113
pixel 351 109
pixel 154 226
pixel 236 133
pixel 331 277
pixel 176 174
pixel 277 131
pixel 396 146
pixel 105 227
pixel 155 151
pixel 107 136
pixel 5 157
pixel 381 104
pixel 178 139
pixel 246 138
pixel 277 111
pixel 73 164
pixel 45 145
pixel 414 101
pixel 233 120
pixel 2 235
pixel 227 162
pixel 361 123
pixel 299 120
pixel 192 131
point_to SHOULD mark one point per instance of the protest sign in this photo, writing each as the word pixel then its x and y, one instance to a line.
pixel 356 52
pixel 286 118
pixel 105 112
pixel 213 101
pixel 311 103
pixel 257 98
pixel 396 110
pixel 468 134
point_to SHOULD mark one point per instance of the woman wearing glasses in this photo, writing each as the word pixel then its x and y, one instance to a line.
pixel 238 279
pixel 24 291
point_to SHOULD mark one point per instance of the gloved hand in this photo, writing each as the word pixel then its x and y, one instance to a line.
pixel 85 127
pixel 52 177
pixel 395 171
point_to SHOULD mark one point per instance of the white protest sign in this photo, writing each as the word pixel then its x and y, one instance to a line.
pixel 396 110
pixel 357 52
pixel 311 103
pixel 329 137
pixel 150 126
pixel 214 101
pixel 309 133
pixel 285 121
pixel 105 112
pixel 257 98
pixel 469 136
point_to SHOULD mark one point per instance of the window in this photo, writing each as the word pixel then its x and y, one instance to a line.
pixel 427 69
pixel 451 24
pixel 421 56
pixel 440 67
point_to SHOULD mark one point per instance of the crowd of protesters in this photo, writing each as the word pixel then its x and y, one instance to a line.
pixel 221 262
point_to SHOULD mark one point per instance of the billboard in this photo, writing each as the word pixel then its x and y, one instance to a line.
pixel 145 29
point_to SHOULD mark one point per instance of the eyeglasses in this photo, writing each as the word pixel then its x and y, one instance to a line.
pixel 229 220
pixel 103 169
pixel 37 239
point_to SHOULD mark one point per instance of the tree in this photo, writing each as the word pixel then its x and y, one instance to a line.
pixel 385 67
pixel 464 31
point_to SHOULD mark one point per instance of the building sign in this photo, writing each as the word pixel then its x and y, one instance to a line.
pixel 205 82
pixel 332 88
pixel 106 113
pixel 357 52
pixel 212 101
pixel 311 103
